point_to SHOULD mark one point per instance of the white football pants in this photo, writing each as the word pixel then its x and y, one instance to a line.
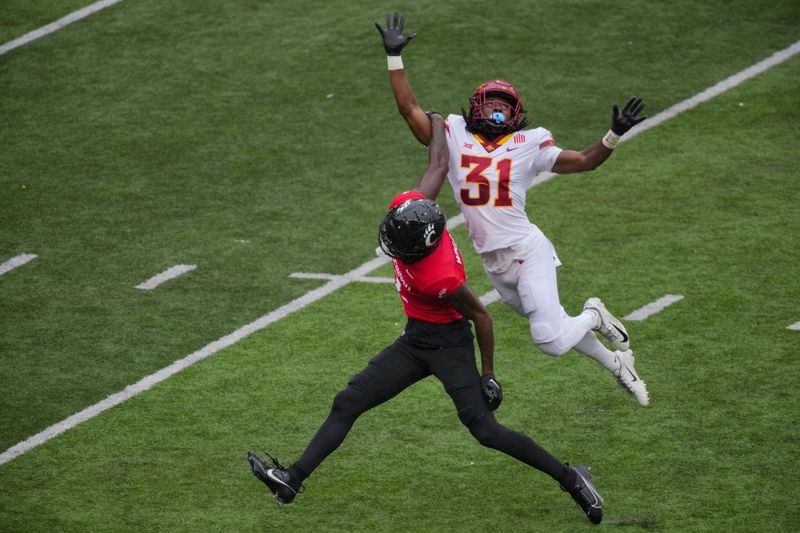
pixel 530 288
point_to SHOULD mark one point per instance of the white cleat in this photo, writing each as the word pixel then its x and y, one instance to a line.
pixel 608 325
pixel 628 378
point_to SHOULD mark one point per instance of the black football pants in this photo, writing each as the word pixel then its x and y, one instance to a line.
pixel 447 352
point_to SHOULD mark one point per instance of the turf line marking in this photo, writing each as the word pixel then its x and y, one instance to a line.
pixel 208 350
pixel 794 327
pixel 168 274
pixel 715 90
pixel 703 96
pixel 316 294
pixel 57 25
pixel 490 297
pixel 331 277
pixel 15 262
pixel 654 307
pixel 487 299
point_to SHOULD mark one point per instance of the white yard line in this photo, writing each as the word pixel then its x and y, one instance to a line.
pixel 170 273
pixel 715 90
pixel 15 262
pixel 490 297
pixel 331 277
pixel 331 286
pixel 57 25
pixel 208 350
pixel 794 327
pixel 487 299
pixel 654 307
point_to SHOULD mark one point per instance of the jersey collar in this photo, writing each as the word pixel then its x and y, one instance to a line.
pixel 491 146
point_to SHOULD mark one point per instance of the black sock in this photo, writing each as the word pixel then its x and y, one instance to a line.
pixel 568 478
pixel 296 477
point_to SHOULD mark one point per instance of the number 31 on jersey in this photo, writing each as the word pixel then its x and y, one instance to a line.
pixel 478 192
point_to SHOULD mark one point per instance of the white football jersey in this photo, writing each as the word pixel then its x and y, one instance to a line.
pixel 490 181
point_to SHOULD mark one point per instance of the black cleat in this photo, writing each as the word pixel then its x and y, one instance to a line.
pixel 274 476
pixel 585 495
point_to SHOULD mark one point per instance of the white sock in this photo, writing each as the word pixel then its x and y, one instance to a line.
pixel 572 331
pixel 590 345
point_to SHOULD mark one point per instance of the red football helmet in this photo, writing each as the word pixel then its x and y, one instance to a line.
pixel 478 122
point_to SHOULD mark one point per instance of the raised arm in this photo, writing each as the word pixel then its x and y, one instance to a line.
pixel 431 182
pixel 570 161
pixel 393 42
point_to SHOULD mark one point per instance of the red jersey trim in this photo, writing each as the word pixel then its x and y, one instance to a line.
pixel 548 142
pixel 493 145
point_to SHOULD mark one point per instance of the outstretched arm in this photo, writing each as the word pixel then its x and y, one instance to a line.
pixel 570 161
pixel 431 182
pixel 393 42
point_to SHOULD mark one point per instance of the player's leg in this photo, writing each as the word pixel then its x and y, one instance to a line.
pixel 553 331
pixel 505 284
pixel 591 346
pixel 608 325
pixel 619 363
pixel 386 375
pixel 457 371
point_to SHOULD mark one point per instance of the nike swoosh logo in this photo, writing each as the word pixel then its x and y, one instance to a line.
pixel 624 337
pixel 510 149
pixel 273 478
pixel 632 374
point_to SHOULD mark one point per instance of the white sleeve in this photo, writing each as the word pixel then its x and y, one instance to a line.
pixel 545 159
pixel 547 152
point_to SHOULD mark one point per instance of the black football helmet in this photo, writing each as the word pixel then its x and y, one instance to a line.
pixel 412 230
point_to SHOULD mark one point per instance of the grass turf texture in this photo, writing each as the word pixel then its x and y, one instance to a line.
pixel 159 133
pixel 18 17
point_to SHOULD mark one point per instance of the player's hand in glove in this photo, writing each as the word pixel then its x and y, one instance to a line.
pixel 492 390
pixel 622 121
pixel 393 39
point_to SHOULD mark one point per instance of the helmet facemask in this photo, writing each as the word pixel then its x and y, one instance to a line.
pixel 488 122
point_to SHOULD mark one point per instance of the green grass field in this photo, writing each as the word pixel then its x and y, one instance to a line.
pixel 257 139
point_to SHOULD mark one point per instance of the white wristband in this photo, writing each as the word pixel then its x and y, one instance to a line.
pixel 394 62
pixel 610 140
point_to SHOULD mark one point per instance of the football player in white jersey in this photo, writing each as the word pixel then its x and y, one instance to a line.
pixel 494 157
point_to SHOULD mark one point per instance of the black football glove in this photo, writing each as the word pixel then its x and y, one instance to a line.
pixel 492 391
pixel 622 121
pixel 393 39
